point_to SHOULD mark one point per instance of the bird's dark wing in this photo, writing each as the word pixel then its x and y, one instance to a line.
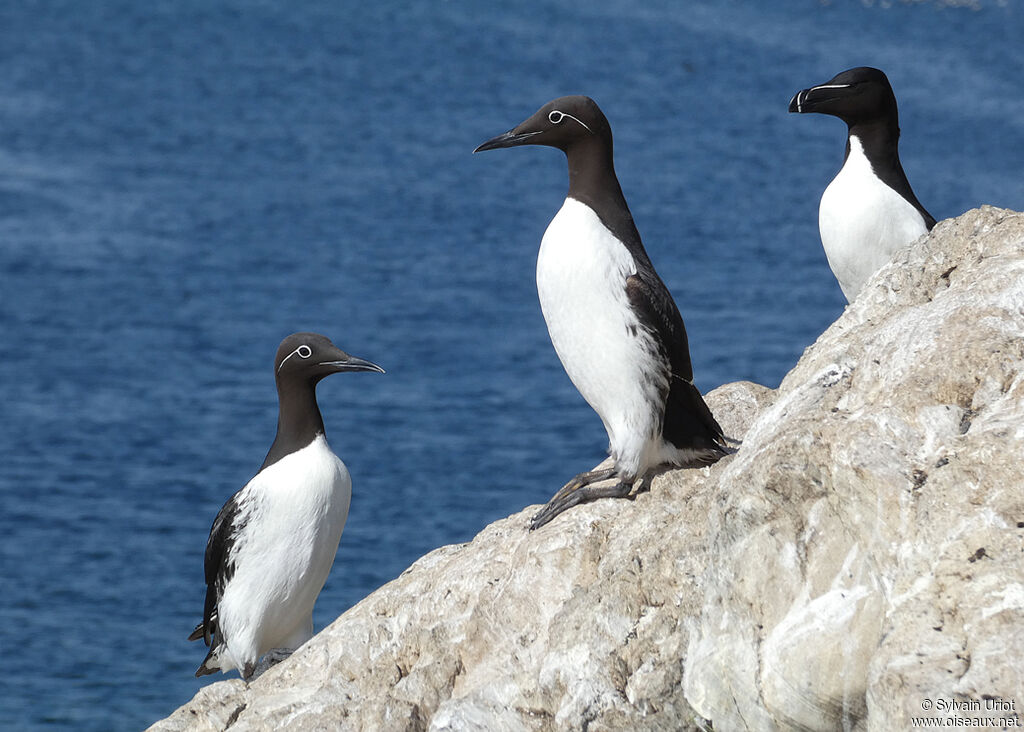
pixel 657 312
pixel 688 421
pixel 218 565
pixel 897 180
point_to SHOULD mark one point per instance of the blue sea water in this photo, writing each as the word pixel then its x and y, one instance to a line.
pixel 184 183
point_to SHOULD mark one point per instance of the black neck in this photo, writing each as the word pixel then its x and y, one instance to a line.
pixel 592 181
pixel 298 419
pixel 880 140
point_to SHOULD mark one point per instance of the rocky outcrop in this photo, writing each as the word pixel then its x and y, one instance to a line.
pixel 858 563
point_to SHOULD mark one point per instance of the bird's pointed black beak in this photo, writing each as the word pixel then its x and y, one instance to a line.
pixel 351 363
pixel 813 99
pixel 506 139
pixel 796 103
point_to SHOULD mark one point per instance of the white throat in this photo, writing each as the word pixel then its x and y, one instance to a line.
pixel 863 221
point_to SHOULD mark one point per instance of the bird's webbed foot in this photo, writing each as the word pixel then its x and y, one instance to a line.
pixel 581 490
pixel 271 658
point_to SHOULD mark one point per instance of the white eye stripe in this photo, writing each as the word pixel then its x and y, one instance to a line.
pixel 555 116
pixel 303 351
pixel 834 86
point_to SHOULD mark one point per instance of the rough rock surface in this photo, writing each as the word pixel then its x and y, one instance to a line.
pixel 860 558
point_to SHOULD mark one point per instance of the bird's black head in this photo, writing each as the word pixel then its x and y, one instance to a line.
pixel 309 357
pixel 856 96
pixel 563 123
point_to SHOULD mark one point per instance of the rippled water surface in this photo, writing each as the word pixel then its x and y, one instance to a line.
pixel 184 183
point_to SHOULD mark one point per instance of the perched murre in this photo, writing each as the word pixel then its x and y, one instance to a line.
pixel 611 319
pixel 869 210
pixel 272 545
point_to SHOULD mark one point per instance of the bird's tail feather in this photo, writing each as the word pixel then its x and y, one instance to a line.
pixel 209 665
pixel 690 425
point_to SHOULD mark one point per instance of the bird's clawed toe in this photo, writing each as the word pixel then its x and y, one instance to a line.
pixel 576 492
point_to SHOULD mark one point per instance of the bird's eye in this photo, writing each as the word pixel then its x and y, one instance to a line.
pixel 304 351
pixel 554 117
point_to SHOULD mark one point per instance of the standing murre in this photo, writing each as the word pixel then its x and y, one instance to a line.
pixel 272 545
pixel 869 210
pixel 612 321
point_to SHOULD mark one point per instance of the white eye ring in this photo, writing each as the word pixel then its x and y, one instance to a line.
pixel 304 351
pixel 555 116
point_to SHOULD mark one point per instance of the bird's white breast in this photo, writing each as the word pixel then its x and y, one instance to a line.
pixel 581 280
pixel 290 522
pixel 863 222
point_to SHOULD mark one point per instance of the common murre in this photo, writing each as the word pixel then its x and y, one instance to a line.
pixel 273 543
pixel 611 319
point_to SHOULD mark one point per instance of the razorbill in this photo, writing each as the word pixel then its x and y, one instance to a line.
pixel 273 543
pixel 611 319
pixel 869 210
